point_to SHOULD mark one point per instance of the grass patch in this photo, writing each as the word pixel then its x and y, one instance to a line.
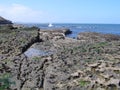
pixel 5 82
pixel 101 44
pixel 36 58
pixel 84 83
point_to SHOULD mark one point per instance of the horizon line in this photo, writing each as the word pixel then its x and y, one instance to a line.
pixel 59 23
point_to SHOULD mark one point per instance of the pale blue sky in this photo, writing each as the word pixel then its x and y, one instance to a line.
pixel 61 11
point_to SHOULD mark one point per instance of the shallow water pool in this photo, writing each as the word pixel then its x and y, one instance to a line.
pixel 31 52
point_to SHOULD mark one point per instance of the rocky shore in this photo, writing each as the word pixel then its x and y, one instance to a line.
pixel 90 62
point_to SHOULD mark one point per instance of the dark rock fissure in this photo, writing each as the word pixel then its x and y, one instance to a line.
pixel 68 32
pixel 19 69
pixel 43 75
pixel 22 84
pixel 19 75
pixel 42 81
pixel 33 40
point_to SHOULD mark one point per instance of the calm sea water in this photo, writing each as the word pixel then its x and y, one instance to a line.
pixel 77 28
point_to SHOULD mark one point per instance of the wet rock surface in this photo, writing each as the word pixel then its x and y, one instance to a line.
pixel 83 64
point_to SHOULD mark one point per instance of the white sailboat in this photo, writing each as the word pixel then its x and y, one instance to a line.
pixel 50 25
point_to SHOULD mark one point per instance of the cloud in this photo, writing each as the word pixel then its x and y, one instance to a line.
pixel 21 13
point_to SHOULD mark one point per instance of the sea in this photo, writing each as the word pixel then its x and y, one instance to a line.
pixel 77 28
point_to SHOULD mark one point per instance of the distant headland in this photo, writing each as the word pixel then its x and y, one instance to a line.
pixel 4 21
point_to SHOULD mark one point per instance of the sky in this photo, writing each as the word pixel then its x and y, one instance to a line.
pixel 61 11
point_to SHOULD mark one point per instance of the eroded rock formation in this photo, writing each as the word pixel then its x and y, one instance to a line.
pixel 85 64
